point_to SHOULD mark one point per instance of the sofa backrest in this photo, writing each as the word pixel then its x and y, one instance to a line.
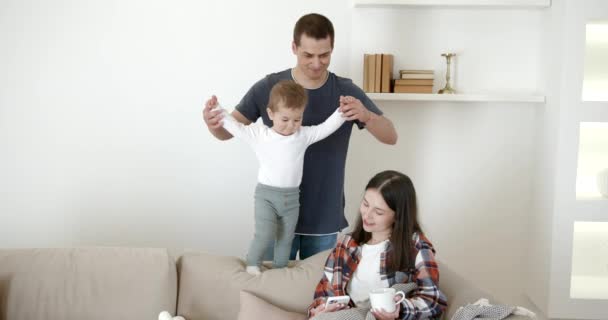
pixel 458 290
pixel 86 283
pixel 131 283
pixel 210 285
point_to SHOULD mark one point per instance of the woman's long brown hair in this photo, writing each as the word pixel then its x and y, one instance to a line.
pixel 399 194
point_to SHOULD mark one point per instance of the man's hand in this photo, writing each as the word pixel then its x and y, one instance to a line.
pixel 213 119
pixel 352 109
pixel 379 126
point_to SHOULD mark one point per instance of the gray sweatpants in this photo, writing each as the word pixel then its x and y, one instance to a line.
pixel 276 215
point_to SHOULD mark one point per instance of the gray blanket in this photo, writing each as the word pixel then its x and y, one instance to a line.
pixel 471 311
pixel 483 310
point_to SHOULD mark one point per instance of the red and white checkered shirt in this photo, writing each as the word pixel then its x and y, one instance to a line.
pixel 426 302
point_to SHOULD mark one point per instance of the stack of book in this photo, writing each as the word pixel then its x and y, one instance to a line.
pixel 377 72
pixel 414 81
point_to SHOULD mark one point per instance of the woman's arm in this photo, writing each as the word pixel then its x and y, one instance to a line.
pixel 427 301
pixel 318 304
pixel 323 289
pixel 331 284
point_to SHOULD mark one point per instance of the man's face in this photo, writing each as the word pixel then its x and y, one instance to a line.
pixel 313 56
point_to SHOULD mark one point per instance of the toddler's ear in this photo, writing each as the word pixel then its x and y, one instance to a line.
pixel 270 113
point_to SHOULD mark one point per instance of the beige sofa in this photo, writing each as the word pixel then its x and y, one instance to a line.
pixel 136 284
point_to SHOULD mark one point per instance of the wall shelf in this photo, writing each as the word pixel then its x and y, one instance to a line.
pixel 452 3
pixel 455 97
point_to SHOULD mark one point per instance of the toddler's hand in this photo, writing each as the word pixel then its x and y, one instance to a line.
pixel 212 114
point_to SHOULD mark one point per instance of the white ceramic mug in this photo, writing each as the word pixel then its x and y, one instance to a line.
pixel 384 298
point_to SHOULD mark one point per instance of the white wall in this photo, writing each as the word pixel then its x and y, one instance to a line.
pixel 471 167
pixel 472 163
pixel 541 216
pixel 102 143
pixel 101 133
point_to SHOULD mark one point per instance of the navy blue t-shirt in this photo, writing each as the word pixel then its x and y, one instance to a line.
pixel 322 187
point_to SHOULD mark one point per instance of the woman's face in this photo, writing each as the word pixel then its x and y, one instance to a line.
pixel 376 215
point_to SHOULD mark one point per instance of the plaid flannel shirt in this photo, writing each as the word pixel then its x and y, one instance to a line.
pixel 424 303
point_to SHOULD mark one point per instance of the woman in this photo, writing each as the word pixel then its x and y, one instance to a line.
pixel 387 247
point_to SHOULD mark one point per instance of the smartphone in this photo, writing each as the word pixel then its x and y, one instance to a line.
pixel 338 299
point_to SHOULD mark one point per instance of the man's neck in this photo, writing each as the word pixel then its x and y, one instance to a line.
pixel 306 82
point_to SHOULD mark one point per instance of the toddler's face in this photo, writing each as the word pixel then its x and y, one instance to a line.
pixel 286 121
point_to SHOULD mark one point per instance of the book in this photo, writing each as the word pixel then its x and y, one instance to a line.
pixel 371 70
pixel 420 82
pixel 387 72
pixel 417 76
pixel 366 72
pixel 416 71
pixel 378 77
pixel 413 89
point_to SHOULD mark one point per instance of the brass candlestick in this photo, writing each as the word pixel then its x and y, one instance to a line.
pixel 448 88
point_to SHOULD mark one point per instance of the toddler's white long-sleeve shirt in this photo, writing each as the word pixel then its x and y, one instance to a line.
pixel 281 157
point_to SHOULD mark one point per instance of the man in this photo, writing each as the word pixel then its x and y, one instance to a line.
pixel 322 189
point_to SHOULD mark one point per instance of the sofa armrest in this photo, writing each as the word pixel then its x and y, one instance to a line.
pixel 86 283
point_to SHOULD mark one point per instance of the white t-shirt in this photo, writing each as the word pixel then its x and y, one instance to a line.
pixel 367 275
pixel 281 157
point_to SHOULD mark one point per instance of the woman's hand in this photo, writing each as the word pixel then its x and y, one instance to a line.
pixel 331 308
pixel 383 315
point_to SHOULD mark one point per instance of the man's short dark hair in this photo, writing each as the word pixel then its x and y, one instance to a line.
pixel 315 26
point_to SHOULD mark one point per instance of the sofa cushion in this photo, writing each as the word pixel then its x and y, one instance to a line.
pixel 209 285
pixel 86 283
pixel 254 308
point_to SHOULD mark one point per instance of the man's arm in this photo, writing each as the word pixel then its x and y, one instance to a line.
pixel 382 128
pixel 213 119
pixel 379 126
